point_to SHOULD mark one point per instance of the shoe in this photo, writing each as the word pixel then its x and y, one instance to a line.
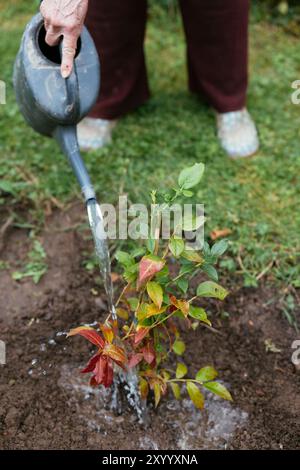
pixel 92 133
pixel 237 133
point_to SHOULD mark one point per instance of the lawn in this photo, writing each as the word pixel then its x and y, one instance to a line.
pixel 257 199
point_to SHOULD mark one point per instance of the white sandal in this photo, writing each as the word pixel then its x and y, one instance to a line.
pixel 94 133
pixel 237 133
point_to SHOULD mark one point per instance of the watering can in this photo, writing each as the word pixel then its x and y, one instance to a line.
pixel 51 104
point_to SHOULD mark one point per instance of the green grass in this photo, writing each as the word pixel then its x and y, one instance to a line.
pixel 256 198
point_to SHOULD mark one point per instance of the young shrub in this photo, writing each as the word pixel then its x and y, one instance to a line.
pixel 154 302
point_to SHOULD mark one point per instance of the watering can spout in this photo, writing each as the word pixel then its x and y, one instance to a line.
pixel 66 137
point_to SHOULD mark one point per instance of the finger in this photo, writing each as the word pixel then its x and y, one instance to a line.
pixel 52 36
pixel 68 53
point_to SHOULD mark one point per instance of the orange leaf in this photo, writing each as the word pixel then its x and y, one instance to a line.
pixel 88 333
pixel 182 305
pixel 140 335
pixel 115 277
pixel 107 333
pixel 215 234
pixel 115 353
pixel 144 388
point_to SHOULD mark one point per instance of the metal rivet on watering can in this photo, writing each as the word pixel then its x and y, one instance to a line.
pixel 52 105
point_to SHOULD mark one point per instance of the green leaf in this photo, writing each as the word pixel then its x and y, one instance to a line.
pixel 206 373
pixel 176 390
pixel 163 275
pixel 210 271
pixel 133 302
pixel 130 273
pixel 218 389
pixel 155 293
pixel 187 193
pixel 6 186
pixel 181 370
pixel 183 285
pixel 122 313
pixel 211 289
pixel 195 395
pixel 176 246
pixel 193 256
pixel 199 314
pixel 206 249
pixel 157 394
pixel 124 258
pixel 178 347
pixel 190 177
pixel 151 245
pixel 140 251
pixel 219 248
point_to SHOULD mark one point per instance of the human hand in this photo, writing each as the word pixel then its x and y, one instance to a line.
pixel 64 18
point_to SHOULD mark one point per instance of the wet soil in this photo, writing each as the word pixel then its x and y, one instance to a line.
pixel 46 404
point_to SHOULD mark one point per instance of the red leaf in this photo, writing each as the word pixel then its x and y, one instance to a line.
pixel 135 360
pixel 91 364
pixel 100 369
pixel 88 333
pixel 148 267
pixel 109 376
pixel 149 354
pixel 140 335
pixel 93 382
pixel 172 308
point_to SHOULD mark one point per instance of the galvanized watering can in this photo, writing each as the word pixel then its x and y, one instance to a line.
pixel 50 104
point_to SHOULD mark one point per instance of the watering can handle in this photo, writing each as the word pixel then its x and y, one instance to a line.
pixel 72 90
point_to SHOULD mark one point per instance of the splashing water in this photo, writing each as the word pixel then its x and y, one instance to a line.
pixel 127 382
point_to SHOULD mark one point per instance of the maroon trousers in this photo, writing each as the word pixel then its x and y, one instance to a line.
pixel 217 52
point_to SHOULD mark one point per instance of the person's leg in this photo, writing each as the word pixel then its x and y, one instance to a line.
pixel 118 29
pixel 217 49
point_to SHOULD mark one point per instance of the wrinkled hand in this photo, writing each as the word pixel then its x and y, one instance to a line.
pixel 64 18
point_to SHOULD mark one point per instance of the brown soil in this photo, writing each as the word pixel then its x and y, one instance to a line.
pixel 45 403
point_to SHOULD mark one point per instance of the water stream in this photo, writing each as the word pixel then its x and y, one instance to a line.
pixel 102 251
pixel 125 384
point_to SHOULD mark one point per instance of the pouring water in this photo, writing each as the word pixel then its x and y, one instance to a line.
pixel 102 251
pixel 124 383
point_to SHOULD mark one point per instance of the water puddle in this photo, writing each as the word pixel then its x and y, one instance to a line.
pixel 213 428
pixel 95 406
